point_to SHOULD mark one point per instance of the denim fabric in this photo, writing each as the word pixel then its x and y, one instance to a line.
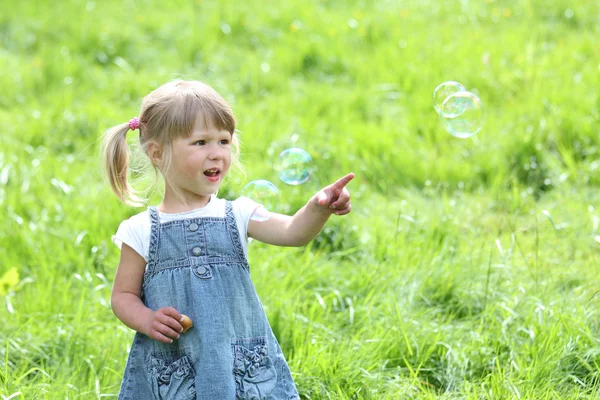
pixel 198 266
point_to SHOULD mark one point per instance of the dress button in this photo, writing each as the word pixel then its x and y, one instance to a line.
pixel 193 227
pixel 201 270
pixel 197 251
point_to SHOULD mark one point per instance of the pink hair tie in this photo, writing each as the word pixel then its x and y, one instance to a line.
pixel 134 123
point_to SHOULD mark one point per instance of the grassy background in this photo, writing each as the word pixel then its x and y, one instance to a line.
pixel 468 268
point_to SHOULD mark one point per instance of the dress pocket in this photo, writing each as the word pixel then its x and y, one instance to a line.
pixel 253 369
pixel 171 376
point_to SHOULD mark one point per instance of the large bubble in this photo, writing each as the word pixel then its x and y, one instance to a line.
pixel 263 192
pixel 294 166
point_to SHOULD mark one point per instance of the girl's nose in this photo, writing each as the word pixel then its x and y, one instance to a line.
pixel 216 153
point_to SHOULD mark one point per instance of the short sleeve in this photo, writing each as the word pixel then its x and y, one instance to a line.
pixel 245 207
pixel 134 233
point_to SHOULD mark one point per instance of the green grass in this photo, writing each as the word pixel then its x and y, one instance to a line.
pixel 468 268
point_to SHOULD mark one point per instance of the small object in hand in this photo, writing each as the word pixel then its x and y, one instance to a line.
pixel 186 322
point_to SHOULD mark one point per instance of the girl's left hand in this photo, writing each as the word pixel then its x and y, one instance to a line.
pixel 335 197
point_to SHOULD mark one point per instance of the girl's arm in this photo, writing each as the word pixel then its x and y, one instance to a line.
pixel 163 324
pixel 302 227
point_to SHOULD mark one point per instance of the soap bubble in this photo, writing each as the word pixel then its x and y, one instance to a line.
pixel 469 121
pixel 294 166
pixel 262 192
pixel 441 93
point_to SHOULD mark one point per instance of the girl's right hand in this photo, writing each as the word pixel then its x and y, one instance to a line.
pixel 165 325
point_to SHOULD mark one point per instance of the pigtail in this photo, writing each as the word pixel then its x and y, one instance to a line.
pixel 116 162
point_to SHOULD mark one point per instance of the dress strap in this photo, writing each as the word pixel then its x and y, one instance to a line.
pixel 154 237
pixel 233 230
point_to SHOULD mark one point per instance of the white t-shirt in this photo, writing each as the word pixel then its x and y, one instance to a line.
pixel 135 231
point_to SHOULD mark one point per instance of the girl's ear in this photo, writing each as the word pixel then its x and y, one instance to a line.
pixel 154 152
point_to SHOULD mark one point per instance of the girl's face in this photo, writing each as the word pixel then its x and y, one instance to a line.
pixel 199 162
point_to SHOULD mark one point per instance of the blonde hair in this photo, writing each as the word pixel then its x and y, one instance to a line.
pixel 167 113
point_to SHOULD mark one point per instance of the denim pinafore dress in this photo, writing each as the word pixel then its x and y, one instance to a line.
pixel 198 266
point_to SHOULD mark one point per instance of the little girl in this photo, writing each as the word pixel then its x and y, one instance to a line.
pixel 188 256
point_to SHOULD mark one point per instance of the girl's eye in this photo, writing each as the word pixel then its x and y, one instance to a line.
pixel 224 141
pixel 200 143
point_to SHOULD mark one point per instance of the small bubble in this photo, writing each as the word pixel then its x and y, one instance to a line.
pixel 226 29
pixel 441 93
pixel 466 112
pixel 569 13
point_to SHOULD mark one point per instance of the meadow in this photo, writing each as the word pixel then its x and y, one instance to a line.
pixel 468 268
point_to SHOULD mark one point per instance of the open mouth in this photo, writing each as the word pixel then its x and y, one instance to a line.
pixel 212 174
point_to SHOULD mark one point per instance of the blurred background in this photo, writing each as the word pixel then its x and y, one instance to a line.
pixel 468 268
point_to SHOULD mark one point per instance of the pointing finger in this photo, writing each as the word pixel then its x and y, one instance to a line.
pixel 343 181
